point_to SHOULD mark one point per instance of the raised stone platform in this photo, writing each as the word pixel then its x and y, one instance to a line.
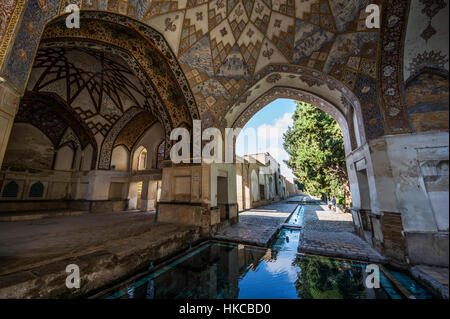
pixel 342 245
pixel 106 246
pixel 258 226
pixel 331 234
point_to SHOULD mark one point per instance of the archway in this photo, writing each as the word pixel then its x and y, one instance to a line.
pixel 222 60
pixel 317 89
pixel 120 158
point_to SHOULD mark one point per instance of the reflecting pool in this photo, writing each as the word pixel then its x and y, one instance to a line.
pixel 222 270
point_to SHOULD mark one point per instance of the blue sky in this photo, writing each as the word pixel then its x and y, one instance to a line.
pixel 270 123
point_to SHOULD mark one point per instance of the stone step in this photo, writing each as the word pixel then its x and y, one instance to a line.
pixel 33 215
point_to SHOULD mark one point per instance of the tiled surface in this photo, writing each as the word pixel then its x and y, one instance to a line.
pixel 331 234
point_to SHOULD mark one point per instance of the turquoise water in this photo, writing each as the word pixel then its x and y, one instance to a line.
pixel 413 287
pixel 217 270
pixel 234 271
pixel 296 219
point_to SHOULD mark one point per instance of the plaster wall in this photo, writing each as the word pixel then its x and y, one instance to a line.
pixel 419 165
pixel 150 140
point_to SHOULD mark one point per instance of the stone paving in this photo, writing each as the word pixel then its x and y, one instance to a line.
pixel 434 278
pixel 331 234
pixel 258 226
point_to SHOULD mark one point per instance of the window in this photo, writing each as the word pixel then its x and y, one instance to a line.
pixel 11 190
pixel 36 190
pixel 161 154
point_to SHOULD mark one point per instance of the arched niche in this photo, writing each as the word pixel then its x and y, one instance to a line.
pixel 10 190
pixel 86 159
pixel 29 147
pixel 140 159
pixel 150 140
pixel 120 158
pixel 64 158
pixel 36 190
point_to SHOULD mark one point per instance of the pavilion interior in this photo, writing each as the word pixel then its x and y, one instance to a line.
pixel 86 114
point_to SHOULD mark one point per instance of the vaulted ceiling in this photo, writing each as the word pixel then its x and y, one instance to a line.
pixel 222 45
pixel 99 87
pixel 221 55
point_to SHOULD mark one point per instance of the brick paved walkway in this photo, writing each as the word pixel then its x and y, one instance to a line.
pixel 331 234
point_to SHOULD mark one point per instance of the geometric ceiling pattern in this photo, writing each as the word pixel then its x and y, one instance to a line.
pixel 99 88
pixel 222 44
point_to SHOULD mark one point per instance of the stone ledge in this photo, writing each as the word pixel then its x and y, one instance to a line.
pixel 434 278
pixel 98 269
pixel 340 245
pixel 20 216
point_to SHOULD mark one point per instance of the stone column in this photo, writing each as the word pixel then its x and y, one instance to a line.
pixel 9 104
pixel 148 195
pixel 193 194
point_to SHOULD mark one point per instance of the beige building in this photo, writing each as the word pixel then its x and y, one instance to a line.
pixel 258 181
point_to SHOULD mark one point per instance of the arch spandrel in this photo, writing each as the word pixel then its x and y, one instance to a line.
pixel 298 83
pixel 299 95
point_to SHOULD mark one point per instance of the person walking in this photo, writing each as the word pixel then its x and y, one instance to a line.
pixel 333 203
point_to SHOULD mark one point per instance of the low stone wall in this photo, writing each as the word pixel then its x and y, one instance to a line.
pixel 428 248
pixel 98 269
pixel 95 206
pixel 188 214
pixel 18 206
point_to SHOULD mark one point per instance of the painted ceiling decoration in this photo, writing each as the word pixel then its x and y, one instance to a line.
pixel 426 43
pixel 134 129
pixel 164 81
pixel 218 50
pixel 99 88
pixel 222 44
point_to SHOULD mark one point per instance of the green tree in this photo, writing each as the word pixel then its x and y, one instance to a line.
pixel 316 153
